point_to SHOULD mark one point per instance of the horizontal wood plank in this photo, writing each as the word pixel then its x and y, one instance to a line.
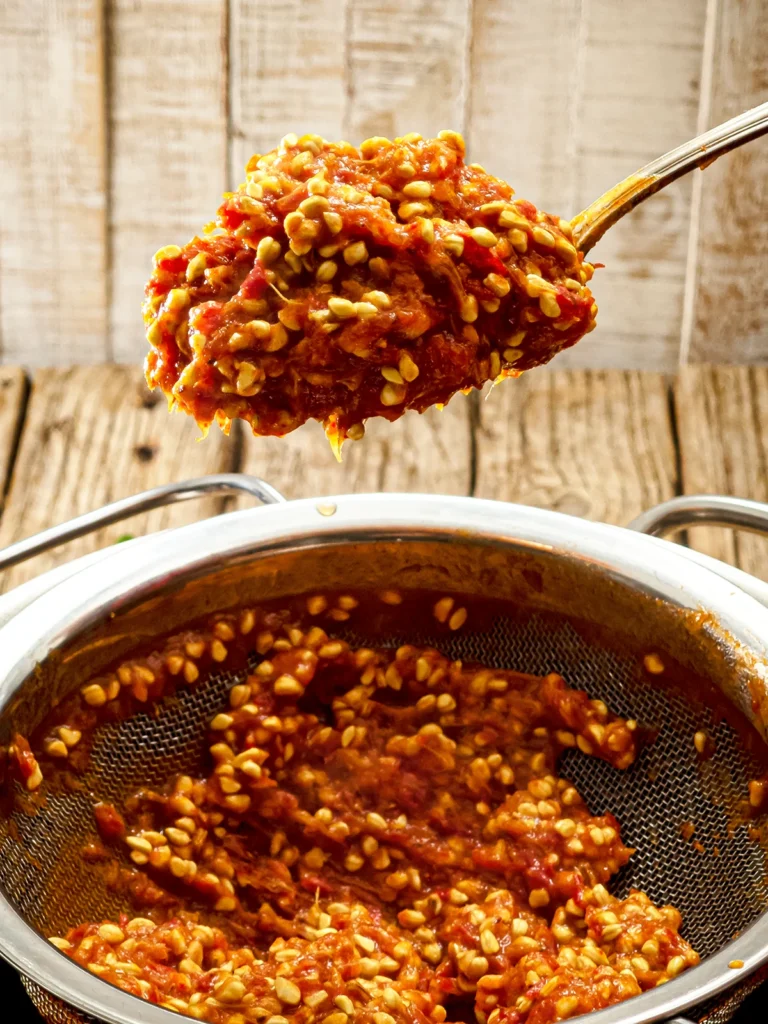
pixel 92 435
pixel 722 416
pixel 597 444
pixel 430 453
pixel 53 229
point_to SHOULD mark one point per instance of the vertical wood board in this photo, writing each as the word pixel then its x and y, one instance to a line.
pixel 730 301
pixel 53 232
pixel 168 123
pixel 286 73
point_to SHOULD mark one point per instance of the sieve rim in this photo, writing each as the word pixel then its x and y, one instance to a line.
pixel 654 567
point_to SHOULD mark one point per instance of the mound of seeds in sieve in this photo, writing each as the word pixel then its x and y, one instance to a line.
pixel 381 836
pixel 337 284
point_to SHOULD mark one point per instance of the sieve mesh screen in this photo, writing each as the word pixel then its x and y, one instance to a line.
pixel 719 890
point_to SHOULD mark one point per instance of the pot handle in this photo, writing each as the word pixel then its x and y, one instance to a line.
pixel 712 510
pixel 702 509
pixel 167 494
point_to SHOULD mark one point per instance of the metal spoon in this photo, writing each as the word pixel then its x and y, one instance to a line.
pixel 591 224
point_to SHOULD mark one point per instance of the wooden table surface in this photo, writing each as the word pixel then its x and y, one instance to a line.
pixel 603 445
pixel 600 444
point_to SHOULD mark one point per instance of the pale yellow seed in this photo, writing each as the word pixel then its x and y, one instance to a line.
pixel 379 299
pixel 392 394
pixel 326 271
pixel 355 253
pixel 417 189
pixel 341 308
pixel 483 236
pixel 498 285
pixel 333 222
pixel 268 250
pixel 409 371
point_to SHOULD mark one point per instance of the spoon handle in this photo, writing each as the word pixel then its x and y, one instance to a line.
pixel 591 224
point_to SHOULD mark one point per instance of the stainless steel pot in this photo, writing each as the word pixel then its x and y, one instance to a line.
pixel 641 590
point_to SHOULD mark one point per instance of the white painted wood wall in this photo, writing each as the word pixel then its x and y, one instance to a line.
pixel 122 122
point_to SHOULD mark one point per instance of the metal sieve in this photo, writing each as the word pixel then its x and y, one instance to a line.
pixel 583 599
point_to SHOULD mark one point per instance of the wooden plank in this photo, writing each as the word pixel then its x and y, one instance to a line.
pixel 520 122
pixel 569 98
pixel 53 251
pixel 639 96
pixel 596 444
pixel 430 453
pixel 13 393
pixel 722 423
pixel 168 126
pixel 729 289
pixel 286 73
pixel 407 66
pixel 92 435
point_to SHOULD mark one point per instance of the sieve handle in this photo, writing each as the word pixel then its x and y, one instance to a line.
pixel 699 510
pixel 167 494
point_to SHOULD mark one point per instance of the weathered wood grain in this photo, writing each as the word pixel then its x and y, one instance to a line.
pixel 569 98
pixel 53 237
pixel 407 67
pixel 722 417
pixel 597 444
pixel 638 96
pixel 429 453
pixel 520 120
pixel 168 125
pixel 729 300
pixel 13 392
pixel 286 73
pixel 92 435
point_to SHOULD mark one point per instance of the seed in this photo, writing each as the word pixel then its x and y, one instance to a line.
pixel 326 271
pixel 365 310
pixel 468 309
pixel 488 942
pixel 483 236
pixel 407 211
pixel 426 229
pixel 498 285
pixel 353 861
pixel 409 371
pixel 454 244
pixel 355 253
pixel 538 898
pixel 139 843
pixel 417 190
pixel 613 931
pixel 653 664
pixel 268 250
pixel 56 748
pixel 239 802
pixel 71 737
pixel 341 308
pixel 379 299
pixel 287 991
pixel 221 722
pixel 411 918
pixel 700 741
pixel 734 964
pixel 549 305
pixel 564 1007
pixel 392 375
pixel 543 237
pixel 675 966
pixel 231 990
pixel 218 650
pixel 345 1004
pixel 333 222
pixel 288 686
pixel 331 650
pixel 111 933
pixel 445 702
pixel 94 695
pixel 458 619
pixel 442 608
pixel 392 394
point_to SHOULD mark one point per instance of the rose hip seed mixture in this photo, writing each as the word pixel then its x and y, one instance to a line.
pixel 339 283
pixel 379 836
